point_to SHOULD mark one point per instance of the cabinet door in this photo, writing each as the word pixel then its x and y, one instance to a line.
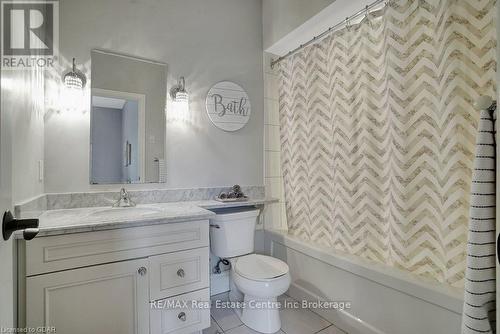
pixel 111 298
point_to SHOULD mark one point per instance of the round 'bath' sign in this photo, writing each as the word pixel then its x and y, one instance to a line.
pixel 228 106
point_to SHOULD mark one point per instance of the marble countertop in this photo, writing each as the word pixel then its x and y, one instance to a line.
pixel 66 221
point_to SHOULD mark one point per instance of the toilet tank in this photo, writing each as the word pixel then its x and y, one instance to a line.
pixel 232 231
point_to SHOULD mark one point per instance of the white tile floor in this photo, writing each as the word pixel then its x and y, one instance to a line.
pixel 293 321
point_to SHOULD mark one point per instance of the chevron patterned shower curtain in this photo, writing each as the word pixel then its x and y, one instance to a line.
pixel 378 133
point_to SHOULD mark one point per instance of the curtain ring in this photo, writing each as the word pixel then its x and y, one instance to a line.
pixel 367 15
pixel 348 24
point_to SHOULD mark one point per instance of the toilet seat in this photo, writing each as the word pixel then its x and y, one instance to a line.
pixel 258 267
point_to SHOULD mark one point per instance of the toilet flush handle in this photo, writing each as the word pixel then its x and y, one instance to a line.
pixel 214 226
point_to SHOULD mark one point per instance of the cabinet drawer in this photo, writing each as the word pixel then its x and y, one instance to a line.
pixel 177 314
pixel 54 253
pixel 180 272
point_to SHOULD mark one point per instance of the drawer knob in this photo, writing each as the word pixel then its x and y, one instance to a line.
pixel 182 316
pixel 142 271
pixel 181 273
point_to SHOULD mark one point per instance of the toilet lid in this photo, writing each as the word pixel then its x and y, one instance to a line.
pixel 260 267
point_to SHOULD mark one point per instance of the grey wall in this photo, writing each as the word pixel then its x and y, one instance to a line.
pixel 24 94
pixel 279 17
pixel 205 41
pixel 107 148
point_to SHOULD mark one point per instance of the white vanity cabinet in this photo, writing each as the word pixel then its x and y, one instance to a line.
pixel 132 280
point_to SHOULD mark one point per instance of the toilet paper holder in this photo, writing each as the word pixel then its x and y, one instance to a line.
pixel 11 224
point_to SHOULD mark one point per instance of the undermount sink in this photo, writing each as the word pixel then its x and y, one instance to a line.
pixel 125 212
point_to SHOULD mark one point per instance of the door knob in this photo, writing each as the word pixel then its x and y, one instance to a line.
pixel 11 224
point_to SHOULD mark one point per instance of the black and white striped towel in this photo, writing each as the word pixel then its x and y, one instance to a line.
pixel 479 315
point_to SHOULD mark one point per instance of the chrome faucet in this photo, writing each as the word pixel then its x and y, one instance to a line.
pixel 124 201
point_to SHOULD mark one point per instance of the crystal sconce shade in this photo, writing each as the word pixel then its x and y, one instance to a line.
pixel 180 99
pixel 74 78
pixel 178 92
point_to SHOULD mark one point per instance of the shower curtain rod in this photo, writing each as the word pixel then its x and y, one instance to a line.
pixel 346 21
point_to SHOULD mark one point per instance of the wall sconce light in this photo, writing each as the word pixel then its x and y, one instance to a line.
pixel 178 92
pixel 180 100
pixel 74 78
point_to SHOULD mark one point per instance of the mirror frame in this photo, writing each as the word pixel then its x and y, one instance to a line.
pixel 141 98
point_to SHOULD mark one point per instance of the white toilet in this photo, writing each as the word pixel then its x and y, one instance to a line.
pixel 255 279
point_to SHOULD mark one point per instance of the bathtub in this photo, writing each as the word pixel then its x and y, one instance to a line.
pixel 382 299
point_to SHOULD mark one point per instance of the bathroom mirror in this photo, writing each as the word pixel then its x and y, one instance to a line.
pixel 127 120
